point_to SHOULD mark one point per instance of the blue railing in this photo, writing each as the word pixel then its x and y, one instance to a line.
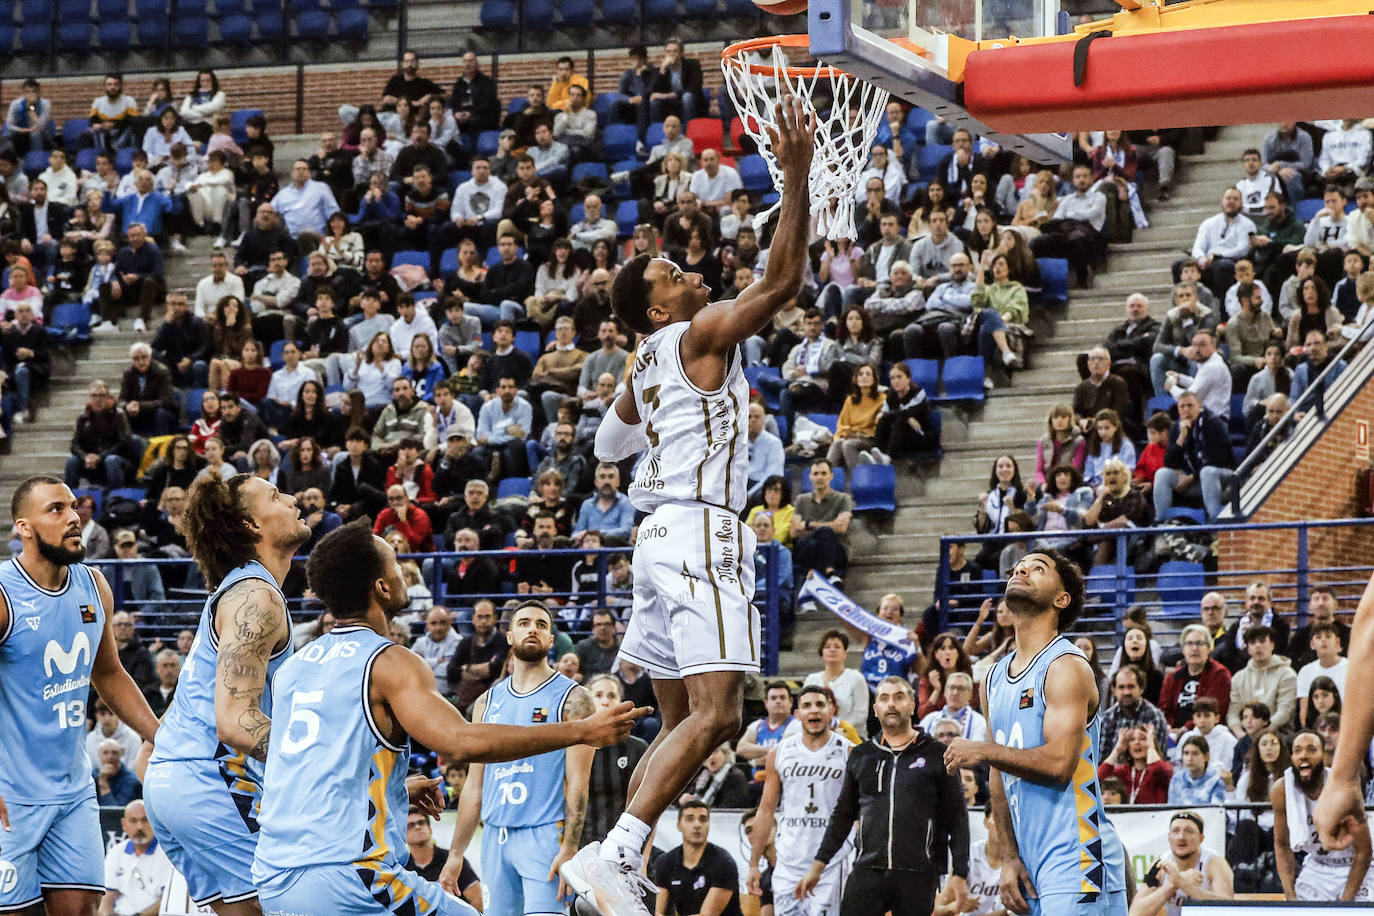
pixel 1173 588
pixel 180 609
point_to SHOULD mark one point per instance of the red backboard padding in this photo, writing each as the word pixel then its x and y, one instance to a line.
pixel 1301 69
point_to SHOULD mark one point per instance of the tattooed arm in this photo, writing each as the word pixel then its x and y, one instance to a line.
pixel 577 770
pixel 251 624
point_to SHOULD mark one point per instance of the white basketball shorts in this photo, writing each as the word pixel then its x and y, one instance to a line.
pixel 693 594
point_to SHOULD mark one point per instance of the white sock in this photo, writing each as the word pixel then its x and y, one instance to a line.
pixel 625 842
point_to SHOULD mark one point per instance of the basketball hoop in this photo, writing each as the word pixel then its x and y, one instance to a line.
pixel 842 148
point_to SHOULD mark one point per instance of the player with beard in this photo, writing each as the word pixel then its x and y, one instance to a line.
pixel 533 810
pixel 336 796
pixel 1339 813
pixel 1327 875
pixel 802 778
pixel 204 778
pixel 55 644
pixel 1189 872
pixel 1060 853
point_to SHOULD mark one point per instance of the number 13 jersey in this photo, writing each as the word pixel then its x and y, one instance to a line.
pixel 698 440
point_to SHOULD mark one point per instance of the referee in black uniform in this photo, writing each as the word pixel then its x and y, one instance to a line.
pixel 912 819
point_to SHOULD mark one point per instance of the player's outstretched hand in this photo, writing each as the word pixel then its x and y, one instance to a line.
pixel 1339 813
pixel 1016 886
pixel 794 139
pixel 612 725
pixel 425 794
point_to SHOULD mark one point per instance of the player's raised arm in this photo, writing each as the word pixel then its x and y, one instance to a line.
pixel 1339 814
pixel 722 325
pixel 251 623
pixel 109 678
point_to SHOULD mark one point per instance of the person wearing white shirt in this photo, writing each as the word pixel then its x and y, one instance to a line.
pixel 575 125
pixel 767 458
pixel 477 206
pixel 1359 235
pixel 220 283
pixel 1327 228
pixel 593 227
pixel 958 694
pixel 285 385
pixel 1245 273
pixel 411 322
pixel 306 204
pixel 277 289
pixel 62 182
pixel 1256 184
pixel 107 725
pixel 713 182
pixel 136 868
pixel 1221 240
pixel 1086 203
pixel 1345 152
pixel 1326 642
pixel 1212 380
pixel 885 166
pixel 674 141
pixel 210 194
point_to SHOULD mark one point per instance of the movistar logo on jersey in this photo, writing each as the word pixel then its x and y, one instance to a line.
pixel 66 660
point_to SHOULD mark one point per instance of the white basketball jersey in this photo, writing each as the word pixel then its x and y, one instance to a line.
pixel 1174 906
pixel 984 881
pixel 698 440
pixel 811 783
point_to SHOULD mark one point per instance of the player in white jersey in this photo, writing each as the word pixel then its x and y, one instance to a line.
pixel 1339 813
pixel 55 645
pixel 984 877
pixel 802 778
pixel 1327 875
pixel 1188 872
pixel 694 627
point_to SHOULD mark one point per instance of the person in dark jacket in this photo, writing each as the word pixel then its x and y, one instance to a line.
pixel 140 278
pixel 906 428
pixel 358 480
pixel 182 344
pixel 906 801
pixel 677 87
pixel 476 513
pixel 1259 611
pixel 1198 460
pixel 266 235
pixel 474 101
pixel 24 357
pixel 146 394
pixel 100 443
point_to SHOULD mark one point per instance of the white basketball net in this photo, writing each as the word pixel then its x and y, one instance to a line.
pixel 842 148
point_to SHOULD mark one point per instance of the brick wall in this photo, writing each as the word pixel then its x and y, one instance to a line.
pixel 1321 485
pixel 326 87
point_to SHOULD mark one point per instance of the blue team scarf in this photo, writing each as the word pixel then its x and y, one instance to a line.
pixel 840 604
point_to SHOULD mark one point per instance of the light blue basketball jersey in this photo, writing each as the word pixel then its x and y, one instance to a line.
pixel 336 786
pixel 1065 839
pixel 46 655
pixel 188 729
pixel 527 792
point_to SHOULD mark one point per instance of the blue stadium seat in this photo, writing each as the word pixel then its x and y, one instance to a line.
pixel 73 130
pixel 236 30
pixel 7 33
pixel 192 33
pixel 926 373
pixel 1307 208
pixel 312 26
pixel 274 357
pixel 148 8
pixel 192 403
pixel 494 254
pixel 1101 585
pixel 1197 515
pixel 829 420
pixel 602 106
pixel 303 6
pixel 488 142
pixel 457 178
pixel 1237 424
pixel 741 8
pixel 35 39
pixel 530 343
pixel 513 486
pixel 1054 281
pixel 411 256
pixel 537 15
pixel 754 373
pixel 928 160
pixel 383 4
pixel 517 104
pixel 626 217
pixel 115 35
pixel 238 120
pixel 72 320
pixel 270 24
pixel 621 189
pixel 619 141
pixel 753 174
pixel 917 119
pixel 1160 402
pixel 589 170
pixel 620 12
pixel 874 487
pixel 231 8
pixel 964 378
pixel 153 32
pixel 660 10
pixel 192 8
pixel 576 213
pixel 1180 586
pixel 700 9
pixel 73 12
pixel 496 15
pixel 654 136
pixel 35 161
pixel 448 261
pixel 85 160
pixel 95 493
pixel 769 198
pixel 74 37
pixel 33 12
pixel 353 24
pixel 836 484
pixel 577 14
